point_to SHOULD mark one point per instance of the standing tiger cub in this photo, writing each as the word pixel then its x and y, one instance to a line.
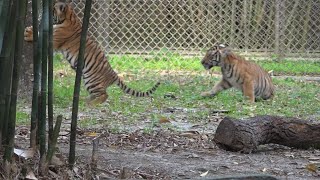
pixel 98 75
pixel 247 76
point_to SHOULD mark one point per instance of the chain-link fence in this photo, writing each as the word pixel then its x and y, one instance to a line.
pixel 286 28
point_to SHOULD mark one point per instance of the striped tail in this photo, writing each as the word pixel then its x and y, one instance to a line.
pixel 133 92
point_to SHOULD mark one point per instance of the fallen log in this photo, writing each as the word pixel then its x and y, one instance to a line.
pixel 246 135
pixel 244 177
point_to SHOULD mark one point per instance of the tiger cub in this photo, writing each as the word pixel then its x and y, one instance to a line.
pixel 246 76
pixel 98 75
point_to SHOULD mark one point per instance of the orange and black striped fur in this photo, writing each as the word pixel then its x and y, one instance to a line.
pixel 98 75
pixel 247 76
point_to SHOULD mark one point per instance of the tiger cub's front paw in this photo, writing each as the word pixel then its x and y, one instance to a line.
pixel 207 94
pixel 28 33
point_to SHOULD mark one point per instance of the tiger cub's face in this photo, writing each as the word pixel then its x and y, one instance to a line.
pixel 212 58
pixel 59 12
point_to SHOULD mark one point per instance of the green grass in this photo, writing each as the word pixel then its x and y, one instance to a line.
pixel 22 118
pixel 175 62
pixel 283 67
pixel 288 67
pixel 185 80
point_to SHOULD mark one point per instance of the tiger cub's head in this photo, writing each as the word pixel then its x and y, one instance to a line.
pixel 214 56
pixel 61 12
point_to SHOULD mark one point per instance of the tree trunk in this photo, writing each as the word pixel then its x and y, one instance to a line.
pixel 246 135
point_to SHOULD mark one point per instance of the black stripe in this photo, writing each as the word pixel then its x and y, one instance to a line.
pixel 96 58
pixel 92 75
pixel 70 14
pixel 264 85
pixel 127 89
pixel 258 87
pixel 101 68
pixel 96 67
pixel 87 53
pixel 89 48
pixel 89 59
pixel 217 56
pixel 228 83
pixel 92 80
pixel 231 74
pixel 226 86
pixel 120 84
pixel 67 56
pixel 98 90
pixel 91 88
pixel 238 79
pixel 77 33
pixel 256 91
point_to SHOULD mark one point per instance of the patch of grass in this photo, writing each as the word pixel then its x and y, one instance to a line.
pixel 287 67
pixel 22 118
pixel 284 67
pixel 88 122
pixel 126 62
pixel 185 81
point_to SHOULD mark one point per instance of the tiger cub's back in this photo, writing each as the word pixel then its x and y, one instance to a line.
pixel 236 70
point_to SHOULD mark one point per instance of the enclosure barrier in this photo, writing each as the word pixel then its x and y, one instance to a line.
pixel 269 28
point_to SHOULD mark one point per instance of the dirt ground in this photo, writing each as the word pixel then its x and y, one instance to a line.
pixel 167 154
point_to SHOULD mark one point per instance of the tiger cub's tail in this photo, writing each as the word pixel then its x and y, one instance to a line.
pixel 133 92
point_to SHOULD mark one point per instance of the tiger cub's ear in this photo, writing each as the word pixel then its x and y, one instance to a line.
pixel 222 46
pixel 61 5
pixel 224 52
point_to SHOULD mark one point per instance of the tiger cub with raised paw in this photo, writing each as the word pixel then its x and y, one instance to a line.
pixel 98 75
pixel 246 76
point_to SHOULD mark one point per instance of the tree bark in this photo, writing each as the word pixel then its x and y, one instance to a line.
pixel 247 135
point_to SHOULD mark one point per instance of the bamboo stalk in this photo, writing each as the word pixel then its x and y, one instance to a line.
pixel 76 93
pixel 20 22
pixel 36 69
pixel 55 135
pixel 6 67
pixel 40 46
pixel 44 72
pixel 5 4
pixel 50 74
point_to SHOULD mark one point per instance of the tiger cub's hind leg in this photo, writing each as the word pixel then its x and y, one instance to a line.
pixel 222 85
pixel 95 99
pixel 248 90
